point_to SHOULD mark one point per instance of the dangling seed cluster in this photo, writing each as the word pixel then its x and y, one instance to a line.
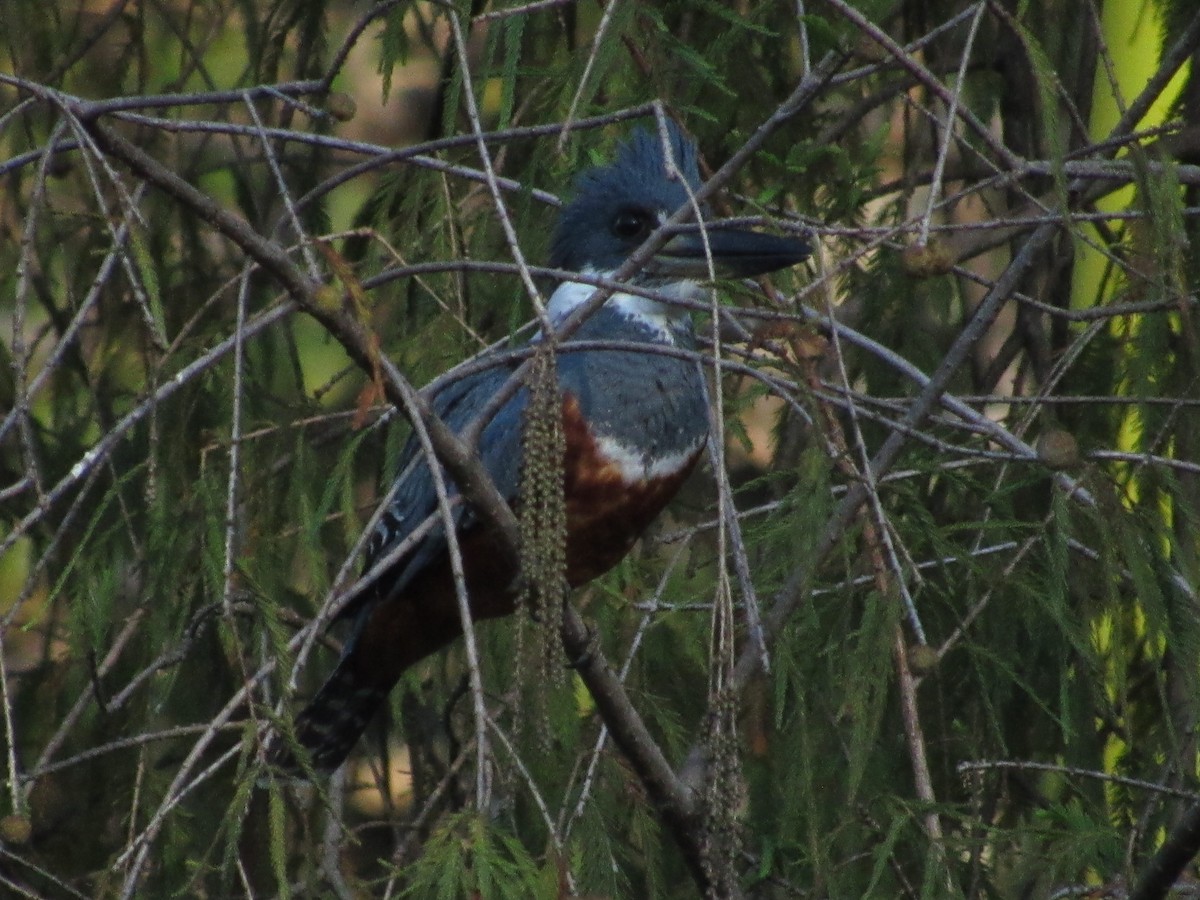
pixel 724 800
pixel 543 518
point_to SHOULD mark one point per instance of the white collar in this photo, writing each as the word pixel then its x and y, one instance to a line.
pixel 659 317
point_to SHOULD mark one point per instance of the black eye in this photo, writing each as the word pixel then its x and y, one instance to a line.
pixel 631 223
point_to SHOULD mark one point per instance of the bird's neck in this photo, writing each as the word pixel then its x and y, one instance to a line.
pixel 663 319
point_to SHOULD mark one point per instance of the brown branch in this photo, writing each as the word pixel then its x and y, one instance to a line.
pixel 1179 849
pixel 673 800
pixel 796 588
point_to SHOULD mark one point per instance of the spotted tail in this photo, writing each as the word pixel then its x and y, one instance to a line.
pixel 331 724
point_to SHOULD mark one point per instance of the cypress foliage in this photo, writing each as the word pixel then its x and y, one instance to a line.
pixel 962 449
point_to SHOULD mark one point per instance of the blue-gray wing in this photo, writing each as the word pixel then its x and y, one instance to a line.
pixel 415 497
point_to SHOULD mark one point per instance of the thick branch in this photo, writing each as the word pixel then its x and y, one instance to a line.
pixel 1172 858
pixel 674 802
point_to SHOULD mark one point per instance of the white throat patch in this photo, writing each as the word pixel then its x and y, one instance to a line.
pixel 659 317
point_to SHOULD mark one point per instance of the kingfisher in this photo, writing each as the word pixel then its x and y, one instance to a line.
pixel 635 423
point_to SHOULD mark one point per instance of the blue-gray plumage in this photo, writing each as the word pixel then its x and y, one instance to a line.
pixel 635 423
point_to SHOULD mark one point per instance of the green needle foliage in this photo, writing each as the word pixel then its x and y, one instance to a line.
pixel 962 446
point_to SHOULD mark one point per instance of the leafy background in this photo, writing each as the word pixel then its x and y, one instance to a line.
pixel 958 473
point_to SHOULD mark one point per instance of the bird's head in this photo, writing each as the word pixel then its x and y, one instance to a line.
pixel 615 207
